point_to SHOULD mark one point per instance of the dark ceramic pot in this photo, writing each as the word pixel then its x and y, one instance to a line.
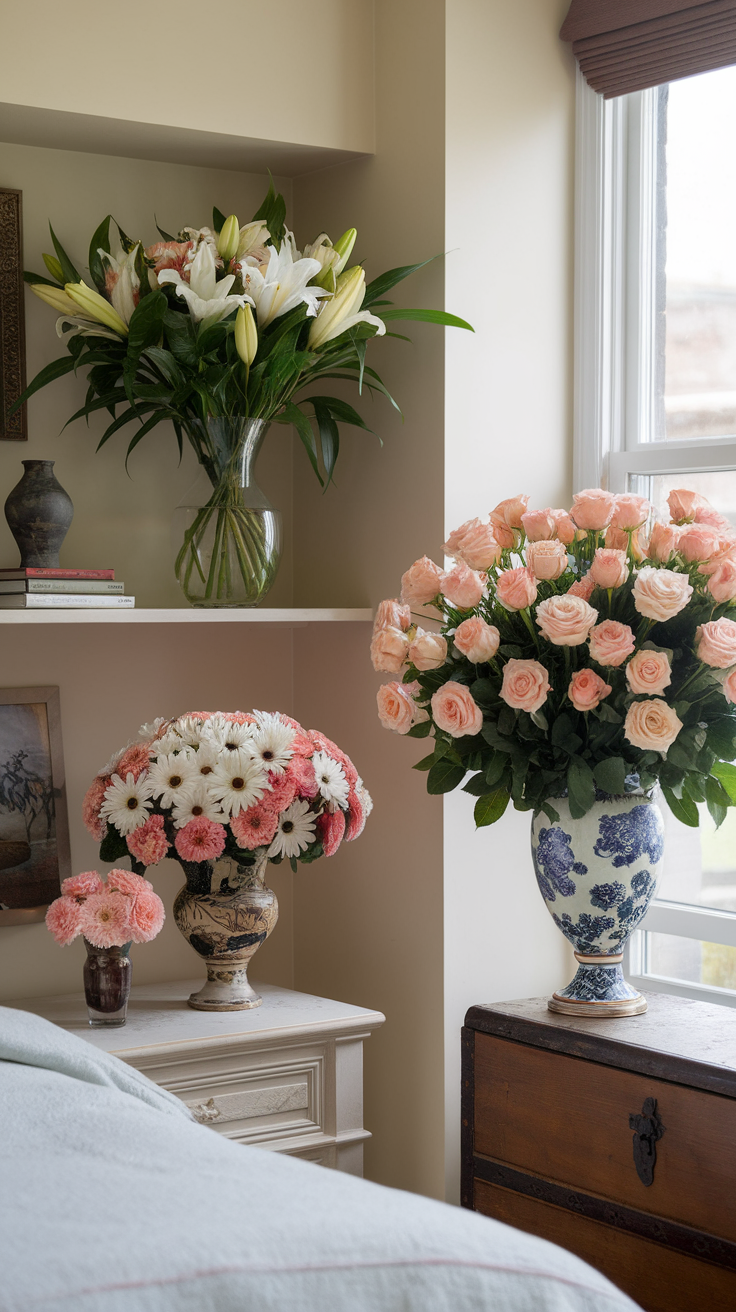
pixel 107 975
pixel 39 513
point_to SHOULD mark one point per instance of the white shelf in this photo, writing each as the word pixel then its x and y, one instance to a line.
pixel 171 615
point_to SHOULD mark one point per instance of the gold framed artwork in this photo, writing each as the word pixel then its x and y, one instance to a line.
pixel 12 317
pixel 34 827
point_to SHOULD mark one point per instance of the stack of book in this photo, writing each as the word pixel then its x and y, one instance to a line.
pixel 62 589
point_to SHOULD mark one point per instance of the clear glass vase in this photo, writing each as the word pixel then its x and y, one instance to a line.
pixel 230 533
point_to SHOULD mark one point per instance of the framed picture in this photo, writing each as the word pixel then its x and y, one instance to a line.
pixel 34 828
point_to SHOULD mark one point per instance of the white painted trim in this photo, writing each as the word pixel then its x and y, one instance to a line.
pixel 691 922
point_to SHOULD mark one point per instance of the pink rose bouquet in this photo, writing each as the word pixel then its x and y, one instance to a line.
pixel 245 785
pixel 110 914
pixel 578 653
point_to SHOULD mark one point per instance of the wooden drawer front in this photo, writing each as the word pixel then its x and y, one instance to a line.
pixel 658 1278
pixel 568 1119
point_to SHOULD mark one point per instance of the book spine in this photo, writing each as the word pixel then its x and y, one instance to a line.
pixel 36 601
pixel 37 572
pixel 69 587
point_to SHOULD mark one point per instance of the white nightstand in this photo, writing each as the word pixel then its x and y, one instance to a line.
pixel 287 1075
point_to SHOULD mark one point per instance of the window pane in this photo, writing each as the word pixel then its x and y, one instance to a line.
pixel 700 351
pixel 690 961
pixel 699 864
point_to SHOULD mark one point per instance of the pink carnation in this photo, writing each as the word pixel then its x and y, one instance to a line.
pixel 331 830
pixel 356 817
pixel 200 840
pixel 105 919
pixel 133 761
pixel 147 915
pixel 171 255
pixel 124 881
pixel 302 773
pixel 93 799
pixel 257 825
pixel 149 843
pixel 302 744
pixel 283 788
pixel 82 885
pixel 64 918
pixel 239 717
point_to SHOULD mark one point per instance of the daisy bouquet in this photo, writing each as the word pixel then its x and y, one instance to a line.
pixel 571 651
pixel 248 786
pixel 108 913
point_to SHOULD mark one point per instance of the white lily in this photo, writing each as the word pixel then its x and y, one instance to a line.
pixel 252 237
pixel 208 299
pixel 322 249
pixel 343 311
pixel 280 285
pixel 121 280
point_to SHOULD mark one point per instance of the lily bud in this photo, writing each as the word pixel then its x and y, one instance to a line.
pixel 229 238
pixel 54 268
pixel 344 248
pixel 246 335
pixel 94 306
pixel 345 303
pixel 55 297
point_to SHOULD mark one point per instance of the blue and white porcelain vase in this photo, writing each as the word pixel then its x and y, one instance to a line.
pixel 597 876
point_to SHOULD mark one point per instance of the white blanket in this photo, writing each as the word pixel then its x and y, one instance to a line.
pixel 113 1200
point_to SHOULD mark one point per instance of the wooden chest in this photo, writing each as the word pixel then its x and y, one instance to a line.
pixel 613 1138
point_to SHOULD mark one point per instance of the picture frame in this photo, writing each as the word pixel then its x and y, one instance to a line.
pixel 34 827
pixel 13 428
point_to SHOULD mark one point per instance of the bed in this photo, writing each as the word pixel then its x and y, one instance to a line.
pixel 113 1199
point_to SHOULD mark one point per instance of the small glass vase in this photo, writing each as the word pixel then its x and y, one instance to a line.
pixel 107 976
pixel 231 547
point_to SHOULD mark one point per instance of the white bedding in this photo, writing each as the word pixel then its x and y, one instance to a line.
pixel 113 1200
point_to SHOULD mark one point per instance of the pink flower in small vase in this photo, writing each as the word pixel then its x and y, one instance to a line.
pixel 133 761
pixel 93 799
pixel 147 916
pixel 82 885
pixel 200 840
pixel 257 825
pixel 149 843
pixel 124 881
pixel 64 919
pixel 331 830
pixel 105 919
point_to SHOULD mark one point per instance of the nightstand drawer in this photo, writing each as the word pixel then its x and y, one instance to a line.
pixel 567 1119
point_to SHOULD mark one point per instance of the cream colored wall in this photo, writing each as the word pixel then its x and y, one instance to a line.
pixel 120 521
pixel 290 73
pixel 508 421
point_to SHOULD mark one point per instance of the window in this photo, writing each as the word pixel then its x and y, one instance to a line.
pixel 655 406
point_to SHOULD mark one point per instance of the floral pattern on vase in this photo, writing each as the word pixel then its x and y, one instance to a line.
pixel 597 876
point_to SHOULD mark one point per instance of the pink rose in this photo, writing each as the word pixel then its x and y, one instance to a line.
pixel 652 726
pixel 546 559
pixel 683 505
pixel 428 650
pixel 462 587
pixel 566 621
pixel 660 594
pixel 455 711
pixel 630 511
pixel 539 525
pixel 611 642
pixel 698 542
pixel 391 614
pixel 397 709
pixel 715 643
pixel 705 514
pixel 609 568
pixel 564 526
pixel 722 582
pixel 592 509
pixel 663 541
pixel 649 672
pixel 525 685
pixel 729 687
pixel 477 640
pixel 582 588
pixel 516 589
pixel 421 583
pixel 587 689
pixel 474 542
pixel 618 540
pixel 389 649
pixel 506 517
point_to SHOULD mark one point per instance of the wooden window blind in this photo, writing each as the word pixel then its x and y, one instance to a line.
pixel 627 45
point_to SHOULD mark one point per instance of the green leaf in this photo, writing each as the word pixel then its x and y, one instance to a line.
pixel 56 369
pixel 476 786
pixel 444 776
pixel 721 738
pixel 421 730
pixel 610 775
pixel 295 416
pixel 385 281
pixel 683 808
pixel 540 719
pixel 428 316
pixel 426 762
pixel 344 413
pixel 273 213
pixel 67 268
pixel 113 845
pixel 495 770
pixel 606 712
pixel 550 812
pixel 726 775
pixel 165 236
pixel 329 436
pixel 218 219
pixel 490 808
pixel 34 278
pixel 581 787
pixel 100 241
pixel 717 800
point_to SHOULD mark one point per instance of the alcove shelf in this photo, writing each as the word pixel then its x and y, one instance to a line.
pixel 203 615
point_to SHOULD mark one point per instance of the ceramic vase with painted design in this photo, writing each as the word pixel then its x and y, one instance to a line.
pixel 597 876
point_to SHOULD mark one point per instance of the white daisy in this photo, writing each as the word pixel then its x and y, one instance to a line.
pixel 150 729
pixel 237 781
pixel 295 831
pixel 194 801
pixel 204 760
pixel 127 802
pixel 227 735
pixel 189 729
pixel 333 785
pixel 168 743
pixel 271 742
pixel 109 766
pixel 169 774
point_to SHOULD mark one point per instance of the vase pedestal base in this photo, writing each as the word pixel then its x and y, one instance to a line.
pixel 227 989
pixel 598 989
